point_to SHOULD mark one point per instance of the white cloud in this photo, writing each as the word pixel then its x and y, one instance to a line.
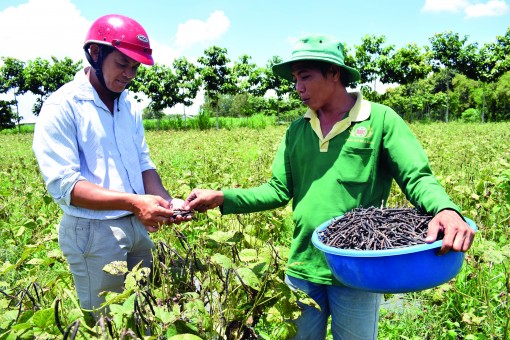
pixel 196 31
pixel 163 54
pixel 470 8
pixel 41 28
pixel 444 5
pixel 491 8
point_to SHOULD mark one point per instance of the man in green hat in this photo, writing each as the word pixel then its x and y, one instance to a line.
pixel 342 154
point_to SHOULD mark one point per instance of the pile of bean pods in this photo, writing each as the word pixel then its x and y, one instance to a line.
pixel 377 229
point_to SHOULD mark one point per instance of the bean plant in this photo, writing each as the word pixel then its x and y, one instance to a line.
pixel 221 276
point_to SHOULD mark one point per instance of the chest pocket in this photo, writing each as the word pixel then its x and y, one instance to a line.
pixel 355 165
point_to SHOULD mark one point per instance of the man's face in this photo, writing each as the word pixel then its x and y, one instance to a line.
pixel 313 87
pixel 118 71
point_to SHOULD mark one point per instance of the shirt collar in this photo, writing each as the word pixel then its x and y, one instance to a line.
pixel 359 112
pixel 86 91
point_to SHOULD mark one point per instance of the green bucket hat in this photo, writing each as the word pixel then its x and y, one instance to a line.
pixel 317 47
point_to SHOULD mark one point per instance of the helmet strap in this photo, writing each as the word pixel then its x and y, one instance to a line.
pixel 98 65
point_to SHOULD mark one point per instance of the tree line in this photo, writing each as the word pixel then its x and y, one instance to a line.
pixel 450 79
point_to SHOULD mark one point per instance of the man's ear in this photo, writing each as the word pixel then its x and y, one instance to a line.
pixel 335 71
pixel 94 52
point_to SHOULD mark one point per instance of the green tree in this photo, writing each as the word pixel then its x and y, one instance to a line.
pixel 149 114
pixel 451 52
pixel 367 57
pixel 466 93
pixel 405 66
pixel 500 99
pixel 216 75
pixel 43 77
pixel 60 72
pixel 271 81
pixel 188 82
pixel 11 79
pixel 35 73
pixel 159 84
pixel 7 117
pixel 496 57
pixel 492 61
pixel 248 77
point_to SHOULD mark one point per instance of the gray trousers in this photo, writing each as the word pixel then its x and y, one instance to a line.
pixel 89 245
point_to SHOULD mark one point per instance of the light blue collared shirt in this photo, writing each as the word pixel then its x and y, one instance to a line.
pixel 77 138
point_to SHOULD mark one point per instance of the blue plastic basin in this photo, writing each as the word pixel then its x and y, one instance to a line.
pixel 398 270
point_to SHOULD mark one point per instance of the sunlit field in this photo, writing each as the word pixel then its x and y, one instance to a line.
pixel 220 277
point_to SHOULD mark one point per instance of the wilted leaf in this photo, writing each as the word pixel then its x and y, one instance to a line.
pixel 116 268
pixel 35 262
pixel 304 298
pixel 54 253
pixel 471 319
pixel 20 231
pixel 274 316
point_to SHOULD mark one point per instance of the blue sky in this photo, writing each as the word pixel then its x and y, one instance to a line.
pixel 261 28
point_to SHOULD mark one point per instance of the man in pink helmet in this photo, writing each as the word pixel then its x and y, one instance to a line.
pixel 90 145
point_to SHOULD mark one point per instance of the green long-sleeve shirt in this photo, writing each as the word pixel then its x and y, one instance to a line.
pixel 353 166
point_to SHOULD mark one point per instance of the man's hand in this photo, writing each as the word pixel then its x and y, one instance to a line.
pixel 458 235
pixel 179 213
pixel 154 211
pixel 203 199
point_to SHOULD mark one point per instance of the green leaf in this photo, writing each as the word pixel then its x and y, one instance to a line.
pixel 249 278
pixel 253 241
pixel 73 298
pixel 7 317
pixel 22 326
pixel 6 267
pixel 168 317
pixel 185 337
pixel 222 260
pixel 43 318
pixel 20 231
pixel 112 297
pixel 27 251
pixel 260 268
pixel 248 255
pixel 226 236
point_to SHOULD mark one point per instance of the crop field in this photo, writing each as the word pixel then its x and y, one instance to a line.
pixel 221 277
